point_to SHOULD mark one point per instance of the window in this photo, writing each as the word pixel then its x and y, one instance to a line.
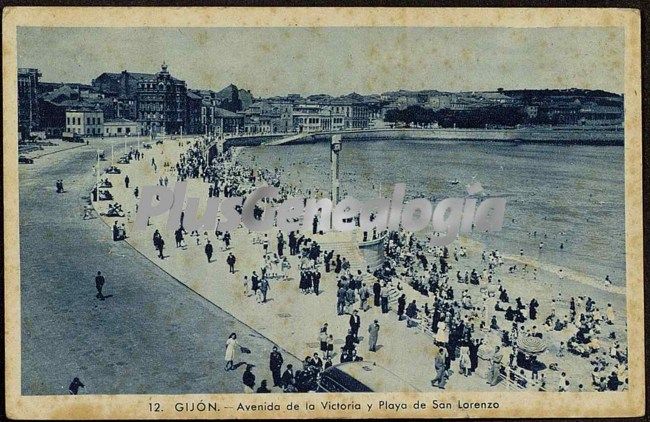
pixel 119 130
pixel 68 121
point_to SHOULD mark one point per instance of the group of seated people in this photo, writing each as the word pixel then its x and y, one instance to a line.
pixel 104 195
pixel 105 183
pixel 115 210
pixel 305 379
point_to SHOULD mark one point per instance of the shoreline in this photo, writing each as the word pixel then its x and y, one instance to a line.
pixel 561 135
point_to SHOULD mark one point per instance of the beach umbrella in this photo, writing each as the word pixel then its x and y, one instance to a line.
pixel 531 345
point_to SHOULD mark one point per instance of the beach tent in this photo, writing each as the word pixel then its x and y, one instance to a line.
pixel 531 345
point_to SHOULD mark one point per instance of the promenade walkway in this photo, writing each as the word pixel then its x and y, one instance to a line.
pixel 289 318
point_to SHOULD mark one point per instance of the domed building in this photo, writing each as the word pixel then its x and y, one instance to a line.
pixel 162 104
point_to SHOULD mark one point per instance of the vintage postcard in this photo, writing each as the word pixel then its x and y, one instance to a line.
pixel 262 213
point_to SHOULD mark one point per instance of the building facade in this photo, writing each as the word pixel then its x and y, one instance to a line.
pixel 162 104
pixel 121 127
pixel 84 122
pixel 28 112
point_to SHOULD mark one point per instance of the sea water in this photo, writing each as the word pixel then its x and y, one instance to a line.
pixel 570 194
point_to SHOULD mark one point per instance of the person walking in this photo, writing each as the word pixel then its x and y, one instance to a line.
pixel 340 300
pixel 275 363
pixel 231 262
pixel 316 282
pixel 373 330
pixel 441 369
pixel 330 346
pixel 355 323
pixel 99 284
pixel 364 294
pixel 280 244
pixel 255 283
pixel 401 304
pixel 322 338
pixel 231 346
pixel 264 288
pixel 126 181
pixel 159 244
pixel 376 290
pixel 209 250
pixel 494 374
pixel 465 362
pixel 384 299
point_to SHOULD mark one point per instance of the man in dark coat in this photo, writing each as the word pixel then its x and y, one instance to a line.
pixel 532 309
pixel 208 250
pixel 292 243
pixel 340 300
pixel 355 323
pixel 255 283
pixel 376 290
pixel 160 245
pixel 275 363
pixel 349 341
pixel 287 376
pixel 99 283
pixel 248 378
pixel 231 262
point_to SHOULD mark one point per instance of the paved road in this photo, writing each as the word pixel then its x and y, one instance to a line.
pixel 153 335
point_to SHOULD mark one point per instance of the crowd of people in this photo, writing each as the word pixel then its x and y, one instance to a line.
pixel 474 323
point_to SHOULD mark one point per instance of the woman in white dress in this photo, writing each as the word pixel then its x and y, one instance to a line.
pixel 465 362
pixel 231 347
pixel 442 336
pixel 286 266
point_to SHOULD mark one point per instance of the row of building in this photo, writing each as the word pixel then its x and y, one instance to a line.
pixel 128 103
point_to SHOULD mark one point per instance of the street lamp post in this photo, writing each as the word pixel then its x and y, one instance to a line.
pixel 96 179
pixel 334 170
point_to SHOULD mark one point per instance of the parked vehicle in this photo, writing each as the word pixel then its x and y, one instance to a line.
pixel 71 137
pixel 25 160
pixel 361 377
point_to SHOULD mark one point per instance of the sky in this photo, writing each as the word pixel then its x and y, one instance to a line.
pixel 336 61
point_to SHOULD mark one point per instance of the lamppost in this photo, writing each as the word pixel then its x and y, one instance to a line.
pixel 97 178
pixel 334 170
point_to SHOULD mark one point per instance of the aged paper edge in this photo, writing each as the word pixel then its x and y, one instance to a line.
pixel 512 404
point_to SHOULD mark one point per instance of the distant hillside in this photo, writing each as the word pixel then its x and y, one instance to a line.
pixel 573 92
